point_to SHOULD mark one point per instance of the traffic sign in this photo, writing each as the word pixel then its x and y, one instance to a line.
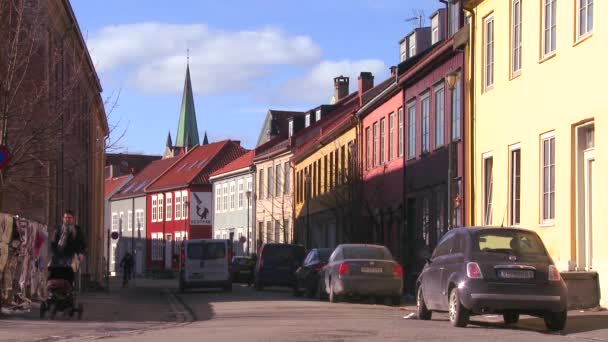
pixel 4 157
pixel 114 235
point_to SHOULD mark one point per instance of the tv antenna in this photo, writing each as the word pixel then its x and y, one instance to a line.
pixel 419 16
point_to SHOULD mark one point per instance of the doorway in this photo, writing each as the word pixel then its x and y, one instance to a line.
pixel 585 198
pixel 168 252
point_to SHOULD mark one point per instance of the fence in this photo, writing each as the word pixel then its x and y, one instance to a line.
pixel 24 253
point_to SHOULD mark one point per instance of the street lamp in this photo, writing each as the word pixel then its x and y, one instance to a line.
pixel 451 80
pixel 248 194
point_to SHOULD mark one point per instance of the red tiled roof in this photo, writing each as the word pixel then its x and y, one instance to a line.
pixel 135 187
pixel 196 166
pixel 112 184
pixel 240 163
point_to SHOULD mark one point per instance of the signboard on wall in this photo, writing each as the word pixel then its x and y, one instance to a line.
pixel 200 208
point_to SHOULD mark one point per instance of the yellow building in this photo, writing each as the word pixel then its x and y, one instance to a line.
pixel 535 108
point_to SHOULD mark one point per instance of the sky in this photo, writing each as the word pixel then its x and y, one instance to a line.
pixel 246 57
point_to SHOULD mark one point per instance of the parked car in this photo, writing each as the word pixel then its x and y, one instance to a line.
pixel 307 276
pixel 277 264
pixel 205 263
pixel 361 270
pixel 242 269
pixel 492 270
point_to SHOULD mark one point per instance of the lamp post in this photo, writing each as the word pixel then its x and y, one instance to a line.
pixel 248 194
pixel 451 80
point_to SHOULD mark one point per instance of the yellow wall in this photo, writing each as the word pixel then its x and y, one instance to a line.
pixel 319 203
pixel 551 95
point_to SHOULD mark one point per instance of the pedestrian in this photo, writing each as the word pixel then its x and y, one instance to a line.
pixel 68 247
pixel 127 267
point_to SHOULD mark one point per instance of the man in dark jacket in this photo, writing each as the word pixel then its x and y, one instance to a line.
pixel 68 246
pixel 127 267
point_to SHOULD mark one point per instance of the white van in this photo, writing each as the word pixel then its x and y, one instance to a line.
pixel 205 263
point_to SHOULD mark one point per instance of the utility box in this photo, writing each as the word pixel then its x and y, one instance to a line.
pixel 583 289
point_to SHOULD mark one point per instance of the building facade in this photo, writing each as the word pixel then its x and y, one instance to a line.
pixel 536 159
pixel 233 203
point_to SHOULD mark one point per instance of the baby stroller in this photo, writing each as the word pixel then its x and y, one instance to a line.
pixel 61 297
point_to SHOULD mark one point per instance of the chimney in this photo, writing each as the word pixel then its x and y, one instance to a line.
pixel 133 170
pixel 393 71
pixel 366 82
pixel 340 87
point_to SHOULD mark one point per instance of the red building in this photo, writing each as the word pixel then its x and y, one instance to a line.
pixel 179 201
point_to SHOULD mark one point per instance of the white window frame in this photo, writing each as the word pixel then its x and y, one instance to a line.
pixel 411 130
pixel 169 207
pixel 241 193
pixel 456 104
pixel 161 208
pixel 487 202
pixel 580 12
pixel 516 37
pixel 185 204
pixel 218 197
pixel 439 95
pixel 512 180
pixel 391 136
pixel 129 220
pixel 178 205
pixel 400 133
pixel 250 188
pixel 287 178
pixel 140 217
pixel 382 141
pixel 154 208
pixel 307 120
pixel 318 115
pixel 121 221
pixel 549 33
pixel 225 197
pixel 488 48
pixel 549 221
pixel 411 45
pixel 232 196
pixel 425 136
pixel 290 128
pixel 375 134
pixel 368 142
pixel 114 222
pixel 435 29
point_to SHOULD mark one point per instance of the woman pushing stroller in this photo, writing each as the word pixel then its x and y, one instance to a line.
pixel 67 247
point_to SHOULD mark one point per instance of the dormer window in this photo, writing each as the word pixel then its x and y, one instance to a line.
pixel 435 29
pixel 411 43
pixel 403 50
pixel 290 128
pixel 307 120
pixel 318 115
pixel 454 15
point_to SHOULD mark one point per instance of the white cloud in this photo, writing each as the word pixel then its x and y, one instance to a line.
pixel 317 85
pixel 154 55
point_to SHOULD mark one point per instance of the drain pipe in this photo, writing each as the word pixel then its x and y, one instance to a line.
pixel 472 132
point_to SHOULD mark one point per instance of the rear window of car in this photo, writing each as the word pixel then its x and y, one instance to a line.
pixel 366 253
pixel 324 254
pixel 206 250
pixel 283 253
pixel 241 261
pixel 509 241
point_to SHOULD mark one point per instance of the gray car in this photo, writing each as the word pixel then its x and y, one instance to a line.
pixel 361 270
pixel 481 270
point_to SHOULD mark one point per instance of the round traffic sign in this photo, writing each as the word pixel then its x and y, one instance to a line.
pixel 4 157
pixel 114 235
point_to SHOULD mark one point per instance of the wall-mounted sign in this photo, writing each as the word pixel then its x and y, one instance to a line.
pixel 200 208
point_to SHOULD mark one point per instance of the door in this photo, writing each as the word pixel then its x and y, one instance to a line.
pixel 168 252
pixel 215 260
pixel 589 160
pixel 431 278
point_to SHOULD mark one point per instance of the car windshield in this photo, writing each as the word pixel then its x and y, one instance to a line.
pixel 509 242
pixel 366 253
pixel 283 253
pixel 206 250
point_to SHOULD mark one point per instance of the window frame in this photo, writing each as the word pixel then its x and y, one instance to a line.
pixel 456 105
pixel 185 207
pixel 154 207
pixel 307 120
pixel 552 29
pixel 129 220
pixel 411 45
pixel 240 194
pixel 550 220
pixel 391 136
pixel 218 197
pixel 114 222
pixel 516 38
pixel 382 148
pixel 261 189
pixel 169 207
pixel 286 177
pixel 161 208
pixel 375 144
pixel 178 198
pixel 425 138
pixel 488 192
pixel 277 175
pixel 270 181
pixel 400 133
pixel 439 116
pixel 225 197
pixel 435 29
pixel 411 130
pixel 232 197
pixel 488 50
pixel 579 35
pixel 368 156
pixel 514 185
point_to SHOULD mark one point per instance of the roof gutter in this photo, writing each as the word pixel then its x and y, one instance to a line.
pixel 230 173
pixel 377 98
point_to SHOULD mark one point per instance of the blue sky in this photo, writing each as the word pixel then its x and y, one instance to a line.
pixel 246 57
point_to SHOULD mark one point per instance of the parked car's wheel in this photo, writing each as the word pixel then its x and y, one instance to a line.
pixel 333 297
pixel 459 315
pixel 556 320
pixel 423 312
pixel 511 317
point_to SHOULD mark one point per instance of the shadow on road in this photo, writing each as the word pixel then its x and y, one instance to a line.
pixel 576 324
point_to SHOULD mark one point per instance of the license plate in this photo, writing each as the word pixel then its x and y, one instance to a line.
pixel 371 269
pixel 516 274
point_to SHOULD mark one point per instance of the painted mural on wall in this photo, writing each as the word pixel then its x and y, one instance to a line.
pixel 200 208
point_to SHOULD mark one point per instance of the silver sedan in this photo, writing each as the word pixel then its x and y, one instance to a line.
pixel 361 270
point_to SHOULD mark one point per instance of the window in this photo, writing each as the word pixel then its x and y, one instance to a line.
pixel 169 211
pixel 318 115
pixel 343 163
pixel 232 196
pixel 403 51
pixel 286 230
pixel 375 147
pixel 440 227
pixel 426 221
pixel 218 197
pixel 313 189
pixel 488 60
pixel 241 194
pixel 277 186
pixel 585 17
pixel 382 140
pixel 515 186
pixel 185 205
pixel 161 203
pixel 260 231
pixel 261 185
pixel 326 172
pixel 290 128
pixel 411 130
pixel 400 133
pixel 154 206
pixel 487 191
pixel 130 220
pixel 225 194
pixel 454 12
pixel 456 110
pixel 114 222
pixel 368 156
pixel 287 173
pixel 549 27
pixel 269 231
pixel 319 176
pixel 331 170
pixel 250 189
pixel 277 231
pixel 178 205
pixel 307 120
pixel 435 29
pixel 139 219
pixel 121 221
pixel 411 42
pixel 270 182
pixel 548 177
pixel 516 36
pixel 426 123
pixel 391 136
pixel 439 116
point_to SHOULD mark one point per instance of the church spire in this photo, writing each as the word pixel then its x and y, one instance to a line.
pixel 169 141
pixel 205 140
pixel 187 129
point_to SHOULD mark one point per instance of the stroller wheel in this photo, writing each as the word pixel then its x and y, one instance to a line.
pixel 80 311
